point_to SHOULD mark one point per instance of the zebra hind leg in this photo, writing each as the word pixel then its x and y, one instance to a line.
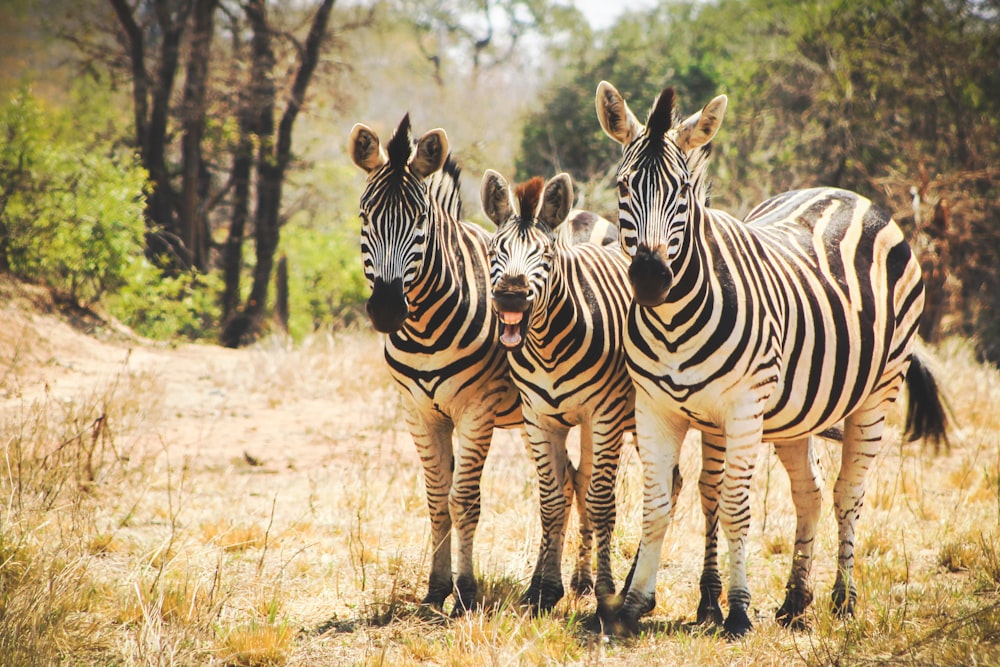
pixel 800 463
pixel 862 441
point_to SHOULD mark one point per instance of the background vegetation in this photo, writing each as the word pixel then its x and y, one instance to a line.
pixel 264 507
pixel 898 99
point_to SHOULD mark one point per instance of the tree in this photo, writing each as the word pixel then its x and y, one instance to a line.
pixel 226 116
pixel 896 99
pixel 70 201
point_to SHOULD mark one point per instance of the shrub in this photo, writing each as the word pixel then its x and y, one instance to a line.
pixel 71 201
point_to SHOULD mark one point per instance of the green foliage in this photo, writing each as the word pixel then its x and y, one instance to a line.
pixel 326 284
pixel 162 306
pixel 884 98
pixel 71 202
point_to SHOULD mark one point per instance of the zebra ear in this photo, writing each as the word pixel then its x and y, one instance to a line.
pixel 495 195
pixel 432 149
pixel 699 128
pixel 556 200
pixel 616 118
pixel 365 149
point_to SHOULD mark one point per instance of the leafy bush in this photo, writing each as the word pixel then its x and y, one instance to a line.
pixel 325 279
pixel 71 201
pixel 161 306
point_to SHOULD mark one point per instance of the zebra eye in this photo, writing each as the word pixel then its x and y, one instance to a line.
pixel 622 189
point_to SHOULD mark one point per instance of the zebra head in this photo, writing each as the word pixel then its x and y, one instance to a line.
pixel 522 248
pixel 394 214
pixel 656 187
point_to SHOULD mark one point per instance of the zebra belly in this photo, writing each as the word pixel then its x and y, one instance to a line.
pixel 707 405
pixel 481 392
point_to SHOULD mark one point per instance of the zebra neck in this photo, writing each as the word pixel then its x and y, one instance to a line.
pixel 545 309
pixel 443 272
pixel 693 263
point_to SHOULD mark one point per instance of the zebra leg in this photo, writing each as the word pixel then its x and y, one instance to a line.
pixel 601 511
pixel 800 463
pixel 433 441
pixel 713 464
pixel 862 442
pixel 660 436
pixel 744 431
pixel 464 504
pixel 582 581
pixel 548 446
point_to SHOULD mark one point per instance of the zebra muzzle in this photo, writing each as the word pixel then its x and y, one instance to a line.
pixel 650 276
pixel 387 308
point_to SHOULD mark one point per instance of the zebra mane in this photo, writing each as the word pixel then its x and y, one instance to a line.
pixel 400 145
pixel 528 194
pixel 698 167
pixel 445 187
pixel 661 118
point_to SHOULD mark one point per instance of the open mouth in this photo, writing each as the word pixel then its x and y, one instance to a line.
pixel 512 329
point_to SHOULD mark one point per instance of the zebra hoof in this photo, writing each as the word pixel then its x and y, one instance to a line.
pixel 465 595
pixel 738 624
pixel 608 608
pixel 709 613
pixel 582 583
pixel 543 596
pixel 843 604
pixel 791 620
pixel 635 607
pixel 791 613
pixel 437 593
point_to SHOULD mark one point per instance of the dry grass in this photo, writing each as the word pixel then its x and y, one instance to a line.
pixel 266 507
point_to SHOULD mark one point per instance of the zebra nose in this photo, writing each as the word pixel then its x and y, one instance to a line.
pixel 387 308
pixel 511 294
pixel 650 275
pixel 512 283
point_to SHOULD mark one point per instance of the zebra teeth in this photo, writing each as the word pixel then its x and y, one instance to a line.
pixel 511 318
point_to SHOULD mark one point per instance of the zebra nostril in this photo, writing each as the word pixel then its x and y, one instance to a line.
pixel 650 276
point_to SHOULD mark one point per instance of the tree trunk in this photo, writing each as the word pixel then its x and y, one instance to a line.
pixel 275 153
pixel 151 117
pixel 281 308
pixel 192 218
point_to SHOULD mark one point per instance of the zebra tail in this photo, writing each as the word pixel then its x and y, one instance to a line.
pixel 926 414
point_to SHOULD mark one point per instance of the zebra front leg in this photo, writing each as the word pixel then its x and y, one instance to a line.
pixel 862 441
pixel 433 442
pixel 582 581
pixel 713 465
pixel 601 511
pixel 743 439
pixel 464 504
pixel 800 463
pixel 659 440
pixel 548 446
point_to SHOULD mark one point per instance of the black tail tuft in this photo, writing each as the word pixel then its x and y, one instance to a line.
pixel 926 417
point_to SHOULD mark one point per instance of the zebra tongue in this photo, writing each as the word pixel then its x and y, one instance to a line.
pixel 511 333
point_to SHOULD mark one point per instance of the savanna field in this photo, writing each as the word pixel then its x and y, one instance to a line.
pixel 195 505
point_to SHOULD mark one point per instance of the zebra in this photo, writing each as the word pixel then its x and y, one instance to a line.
pixel 776 328
pixel 427 272
pixel 562 309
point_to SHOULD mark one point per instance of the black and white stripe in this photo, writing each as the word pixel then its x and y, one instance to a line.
pixel 562 309
pixel 428 274
pixel 774 328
